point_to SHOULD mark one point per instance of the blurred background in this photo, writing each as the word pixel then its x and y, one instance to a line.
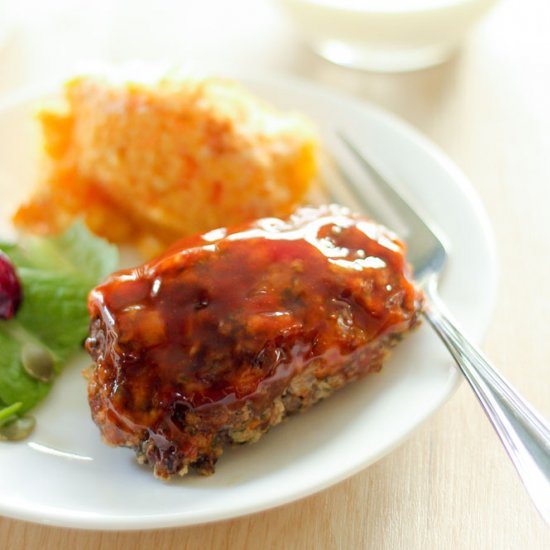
pixel 41 41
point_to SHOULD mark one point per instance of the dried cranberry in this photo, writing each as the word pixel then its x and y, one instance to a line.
pixel 10 288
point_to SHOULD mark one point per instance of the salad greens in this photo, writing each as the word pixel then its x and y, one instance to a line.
pixel 56 274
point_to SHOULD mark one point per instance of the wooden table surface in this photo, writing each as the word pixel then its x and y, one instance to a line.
pixel 450 485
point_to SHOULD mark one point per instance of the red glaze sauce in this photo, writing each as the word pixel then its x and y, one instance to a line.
pixel 226 316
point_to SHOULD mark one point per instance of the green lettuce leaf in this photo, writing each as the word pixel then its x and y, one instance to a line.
pixel 56 274
pixel 76 252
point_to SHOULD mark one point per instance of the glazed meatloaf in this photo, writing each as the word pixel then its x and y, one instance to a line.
pixel 229 332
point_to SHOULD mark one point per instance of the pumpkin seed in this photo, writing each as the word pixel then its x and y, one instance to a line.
pixel 17 429
pixel 37 362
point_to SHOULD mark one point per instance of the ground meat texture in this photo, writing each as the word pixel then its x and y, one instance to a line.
pixel 229 332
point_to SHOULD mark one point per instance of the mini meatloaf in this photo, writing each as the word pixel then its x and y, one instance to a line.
pixel 229 332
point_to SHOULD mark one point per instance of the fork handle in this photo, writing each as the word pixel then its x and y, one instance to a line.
pixel 524 434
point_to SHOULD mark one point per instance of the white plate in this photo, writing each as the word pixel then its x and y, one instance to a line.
pixel 63 475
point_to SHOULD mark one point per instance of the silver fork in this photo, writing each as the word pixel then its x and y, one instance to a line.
pixel 524 434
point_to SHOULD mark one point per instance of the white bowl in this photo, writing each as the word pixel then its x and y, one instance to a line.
pixel 385 35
